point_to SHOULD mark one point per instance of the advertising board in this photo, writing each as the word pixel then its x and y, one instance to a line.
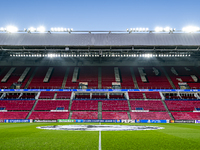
pixel 44 120
pixel 18 121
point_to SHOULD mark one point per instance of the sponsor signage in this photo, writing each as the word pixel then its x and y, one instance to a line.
pixel 101 90
pixel 18 121
pixel 1 121
pixel 44 120
pixel 66 120
pixel 197 121
pixel 97 121
pixel 128 121
pixel 184 121
pixel 151 121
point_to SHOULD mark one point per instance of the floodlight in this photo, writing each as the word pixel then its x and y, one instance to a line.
pixel 167 29
pixel 147 29
pixel 158 29
pixel 41 29
pixel 140 29
pixel 11 29
pixel 31 29
pixel 190 29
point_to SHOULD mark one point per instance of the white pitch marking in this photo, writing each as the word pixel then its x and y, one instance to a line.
pixel 99 140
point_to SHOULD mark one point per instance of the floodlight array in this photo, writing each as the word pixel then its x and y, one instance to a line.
pixel 137 30
pixel 104 54
pixel 61 30
pixel 191 29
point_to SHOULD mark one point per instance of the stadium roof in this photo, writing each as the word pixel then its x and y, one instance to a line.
pixel 100 39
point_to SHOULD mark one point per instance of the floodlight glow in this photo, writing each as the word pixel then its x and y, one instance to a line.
pixel 31 29
pixel 158 29
pixel 147 29
pixel 191 29
pixel 12 29
pixel 41 29
pixel 167 29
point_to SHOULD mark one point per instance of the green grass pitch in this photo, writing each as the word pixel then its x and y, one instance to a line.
pixel 26 136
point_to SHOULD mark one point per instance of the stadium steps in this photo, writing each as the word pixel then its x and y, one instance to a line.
pixel 70 115
pixel 70 105
pixel 169 79
pixel 65 78
pixel 99 78
pixel 134 79
pixel 129 115
pixel 99 110
pixel 30 79
pixel 55 95
pixel 29 114
pixel 129 106
pixel 163 101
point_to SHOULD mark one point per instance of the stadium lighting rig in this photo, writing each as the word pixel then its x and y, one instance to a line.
pixel 191 29
pixel 42 29
pixel 104 54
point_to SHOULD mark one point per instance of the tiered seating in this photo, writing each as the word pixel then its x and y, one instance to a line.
pixel 152 105
pixel 55 82
pixel 150 115
pixel 12 96
pixel 184 75
pixel 52 104
pixel 186 115
pixel 127 80
pixel 84 115
pixel 114 115
pixel 90 75
pixel 46 95
pixel 188 96
pixel 49 115
pixel 172 96
pixel 13 77
pixel 69 84
pixel 63 95
pixel 17 104
pixel 84 105
pixel 107 77
pixel 83 96
pixel 135 95
pixel 115 105
pixel 116 96
pixel 99 96
pixel 28 96
pixel 13 115
pixel 182 105
pixel 27 77
pixel 152 95
pixel 154 81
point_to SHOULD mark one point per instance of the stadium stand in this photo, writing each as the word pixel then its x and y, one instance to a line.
pixel 84 115
pixel 13 115
pixel 114 115
pixel 49 115
pixel 44 105
pixel 150 115
pixel 182 105
pixel 151 105
pixel 17 105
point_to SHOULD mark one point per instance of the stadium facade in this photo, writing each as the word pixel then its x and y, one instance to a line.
pixel 100 76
